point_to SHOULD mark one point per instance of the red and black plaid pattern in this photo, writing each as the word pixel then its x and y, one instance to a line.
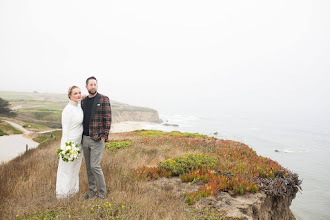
pixel 100 124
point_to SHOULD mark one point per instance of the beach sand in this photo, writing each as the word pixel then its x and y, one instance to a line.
pixel 127 126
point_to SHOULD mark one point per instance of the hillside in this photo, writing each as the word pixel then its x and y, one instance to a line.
pixel 44 109
pixel 7 129
pixel 154 175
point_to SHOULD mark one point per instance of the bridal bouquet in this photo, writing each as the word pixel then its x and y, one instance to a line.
pixel 69 152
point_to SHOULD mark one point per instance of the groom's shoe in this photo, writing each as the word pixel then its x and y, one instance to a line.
pixel 90 195
pixel 101 196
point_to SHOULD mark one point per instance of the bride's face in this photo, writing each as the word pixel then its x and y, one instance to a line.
pixel 75 94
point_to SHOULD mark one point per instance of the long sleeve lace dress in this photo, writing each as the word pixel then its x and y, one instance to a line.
pixel 67 181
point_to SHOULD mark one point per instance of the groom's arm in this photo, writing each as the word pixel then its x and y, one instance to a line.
pixel 107 119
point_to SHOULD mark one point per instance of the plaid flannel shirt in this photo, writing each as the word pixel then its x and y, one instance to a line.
pixel 100 121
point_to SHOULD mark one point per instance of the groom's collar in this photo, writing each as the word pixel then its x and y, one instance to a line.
pixel 96 94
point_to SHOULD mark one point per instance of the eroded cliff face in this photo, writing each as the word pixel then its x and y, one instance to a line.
pixel 244 207
pixel 124 112
pixel 251 206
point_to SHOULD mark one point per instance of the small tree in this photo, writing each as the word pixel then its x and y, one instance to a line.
pixel 4 108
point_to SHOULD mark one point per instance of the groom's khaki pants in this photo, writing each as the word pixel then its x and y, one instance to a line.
pixel 93 155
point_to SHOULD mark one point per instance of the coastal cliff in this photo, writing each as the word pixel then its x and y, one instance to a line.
pixel 244 207
pixel 153 175
pixel 45 109
pixel 191 176
pixel 252 206
pixel 123 112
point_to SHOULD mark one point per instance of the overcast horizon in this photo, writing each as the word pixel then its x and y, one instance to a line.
pixel 184 57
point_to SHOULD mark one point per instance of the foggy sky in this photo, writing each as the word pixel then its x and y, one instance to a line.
pixel 185 57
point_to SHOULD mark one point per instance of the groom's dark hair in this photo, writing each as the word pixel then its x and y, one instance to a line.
pixel 92 77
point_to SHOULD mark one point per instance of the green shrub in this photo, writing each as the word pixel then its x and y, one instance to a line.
pixel 2 133
pixel 115 145
pixel 154 133
pixel 190 135
pixel 188 163
pixel 150 133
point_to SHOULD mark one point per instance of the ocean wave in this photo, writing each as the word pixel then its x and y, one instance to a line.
pixel 294 150
pixel 177 116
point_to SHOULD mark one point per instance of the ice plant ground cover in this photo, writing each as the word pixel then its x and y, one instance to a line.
pixel 139 168
pixel 116 145
pixel 224 166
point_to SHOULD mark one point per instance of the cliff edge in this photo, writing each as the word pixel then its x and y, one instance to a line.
pixel 153 175
pixel 123 112
pixel 259 205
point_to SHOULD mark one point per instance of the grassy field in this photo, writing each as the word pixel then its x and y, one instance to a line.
pixel 47 138
pixel 43 110
pixel 33 96
pixel 138 167
pixel 35 127
pixel 7 129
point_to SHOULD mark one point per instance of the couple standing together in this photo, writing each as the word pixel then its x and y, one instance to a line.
pixel 86 124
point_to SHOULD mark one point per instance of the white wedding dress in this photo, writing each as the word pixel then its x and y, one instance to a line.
pixel 67 181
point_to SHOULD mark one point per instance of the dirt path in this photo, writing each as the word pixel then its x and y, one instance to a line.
pixel 19 127
pixel 25 131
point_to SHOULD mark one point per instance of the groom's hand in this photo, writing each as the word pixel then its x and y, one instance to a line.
pixel 102 139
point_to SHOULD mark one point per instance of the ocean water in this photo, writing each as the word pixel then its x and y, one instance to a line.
pixel 304 148
pixel 12 146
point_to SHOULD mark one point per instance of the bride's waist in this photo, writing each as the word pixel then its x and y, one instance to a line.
pixel 75 137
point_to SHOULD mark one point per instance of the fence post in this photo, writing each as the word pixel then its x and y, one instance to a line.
pixel 26 147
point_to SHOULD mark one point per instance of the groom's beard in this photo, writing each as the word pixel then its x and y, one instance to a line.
pixel 92 93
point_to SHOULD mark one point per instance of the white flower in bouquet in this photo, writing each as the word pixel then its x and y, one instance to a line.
pixel 69 152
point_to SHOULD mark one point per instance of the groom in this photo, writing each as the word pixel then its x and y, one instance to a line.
pixel 97 122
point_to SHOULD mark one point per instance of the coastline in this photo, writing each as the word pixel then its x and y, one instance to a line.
pixel 9 151
pixel 127 126
pixel 41 178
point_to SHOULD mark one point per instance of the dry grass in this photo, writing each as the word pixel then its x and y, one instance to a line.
pixel 28 184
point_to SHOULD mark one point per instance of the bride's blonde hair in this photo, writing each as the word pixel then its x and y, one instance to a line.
pixel 70 90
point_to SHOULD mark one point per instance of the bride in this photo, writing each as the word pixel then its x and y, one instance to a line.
pixel 67 181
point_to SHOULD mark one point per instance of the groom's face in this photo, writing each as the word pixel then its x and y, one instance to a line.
pixel 91 86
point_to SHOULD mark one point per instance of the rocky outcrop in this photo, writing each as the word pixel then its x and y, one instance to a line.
pixel 248 206
pixel 123 112
pixel 135 116
pixel 251 206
